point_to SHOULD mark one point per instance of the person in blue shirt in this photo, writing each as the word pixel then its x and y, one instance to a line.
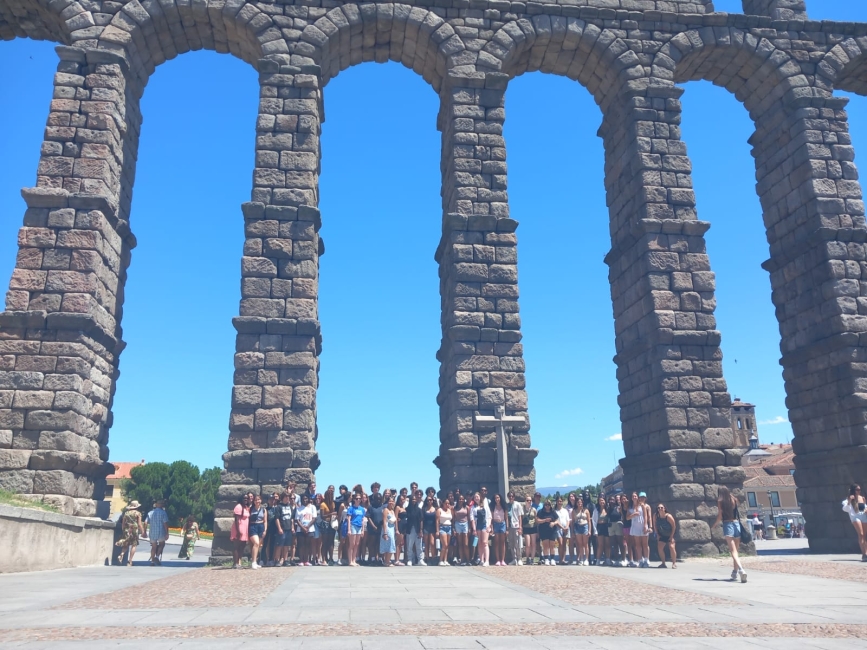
pixel 356 517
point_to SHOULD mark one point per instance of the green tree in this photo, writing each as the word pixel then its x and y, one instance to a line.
pixel 206 498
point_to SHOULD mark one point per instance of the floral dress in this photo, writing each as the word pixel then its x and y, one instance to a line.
pixel 191 536
pixel 131 528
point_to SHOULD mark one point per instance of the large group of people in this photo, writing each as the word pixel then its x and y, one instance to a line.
pixel 411 527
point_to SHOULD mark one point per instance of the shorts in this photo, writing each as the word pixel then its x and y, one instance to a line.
pixel 567 534
pixel 546 533
pixel 731 529
pixel 256 529
pixel 355 530
pixel 445 530
pixel 344 529
pixel 499 527
pixel 665 539
pixel 582 529
pixel 531 531
pixel 155 542
pixel 462 527
pixel 286 538
pixel 602 530
pixel 860 516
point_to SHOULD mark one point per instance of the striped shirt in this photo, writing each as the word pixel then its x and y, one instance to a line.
pixel 158 525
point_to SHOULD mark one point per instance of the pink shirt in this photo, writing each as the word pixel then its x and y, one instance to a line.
pixel 241 524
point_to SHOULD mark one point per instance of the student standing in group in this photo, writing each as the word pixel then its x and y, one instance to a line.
pixel 258 527
pixel 600 524
pixel 615 531
pixel 328 513
pixel 400 533
pixel 132 528
pixel 240 532
pixel 516 529
pixel 268 544
pixel 462 529
pixel 283 527
pixel 498 519
pixel 304 523
pixel 665 525
pixel 581 530
pixel 572 542
pixel 445 515
pixel 627 528
pixel 562 530
pixel 637 530
pixel 343 529
pixel 531 531
pixel 547 520
pixel 481 525
pixel 414 531
pixel 727 513
pixel 856 508
pixel 430 528
pixel 157 530
pixel 356 516
pixel 592 541
pixel 374 522
pixel 387 546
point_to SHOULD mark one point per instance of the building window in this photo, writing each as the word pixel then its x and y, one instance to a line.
pixel 792 472
pixel 749 424
pixel 775 499
pixel 739 424
pixel 751 499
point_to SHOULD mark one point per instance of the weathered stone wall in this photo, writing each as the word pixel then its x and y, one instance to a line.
pixel 61 334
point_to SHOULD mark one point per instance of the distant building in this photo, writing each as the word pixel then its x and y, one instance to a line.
pixel 770 482
pixel 613 483
pixel 113 481
pixel 743 423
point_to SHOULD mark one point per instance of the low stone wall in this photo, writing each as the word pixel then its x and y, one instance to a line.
pixel 34 540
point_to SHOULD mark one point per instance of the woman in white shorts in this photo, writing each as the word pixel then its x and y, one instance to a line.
pixel 855 507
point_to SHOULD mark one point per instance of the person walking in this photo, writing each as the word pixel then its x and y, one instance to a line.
pixel 547 520
pixel 239 534
pixel 387 546
pixel 132 528
pixel 727 514
pixel 856 508
pixel 481 524
pixel 356 516
pixel 531 531
pixel 581 530
pixel 445 516
pixel 414 530
pixel 190 535
pixel 157 531
pixel 258 527
pixel 665 526
pixel 601 526
pixel 462 529
pixel 516 529
pixel 430 528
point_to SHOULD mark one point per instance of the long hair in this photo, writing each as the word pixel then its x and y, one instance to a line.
pixel 727 503
pixel 853 488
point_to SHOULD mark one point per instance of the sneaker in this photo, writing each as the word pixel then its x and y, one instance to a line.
pixel 409 562
pixel 662 566
pixel 735 574
pixel 254 566
pixel 485 564
pixel 623 563
pixel 743 575
pixel 631 564
pixel 422 563
pixel 864 558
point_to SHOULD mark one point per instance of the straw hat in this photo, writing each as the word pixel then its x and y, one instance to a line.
pixel 134 505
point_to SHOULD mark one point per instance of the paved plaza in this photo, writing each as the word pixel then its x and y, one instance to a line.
pixel 791 600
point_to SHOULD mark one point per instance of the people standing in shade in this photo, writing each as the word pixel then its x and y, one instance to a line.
pixel 516 529
pixel 445 516
pixel 615 531
pixel 531 531
pixel 727 514
pixel 547 520
pixel 189 535
pixel 132 528
pixel 581 530
pixel 387 545
pixel 414 531
pixel 856 508
pixel 258 527
pixel 601 526
pixel 562 530
pixel 480 520
pixel 430 528
pixel 462 529
pixel 665 526
pixel 269 543
pixel 239 534
pixel 356 516
pixel 639 530
pixel 498 520
pixel 157 530
pixel 283 530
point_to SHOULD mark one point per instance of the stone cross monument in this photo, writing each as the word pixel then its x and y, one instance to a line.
pixel 501 420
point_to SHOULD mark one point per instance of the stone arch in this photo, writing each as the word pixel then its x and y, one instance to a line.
pixel 150 32
pixel 43 20
pixel 844 67
pixel 595 57
pixel 417 37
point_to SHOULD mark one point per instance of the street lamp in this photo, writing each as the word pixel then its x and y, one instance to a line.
pixel 771 504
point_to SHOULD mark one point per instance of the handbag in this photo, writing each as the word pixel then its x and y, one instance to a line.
pixel 746 535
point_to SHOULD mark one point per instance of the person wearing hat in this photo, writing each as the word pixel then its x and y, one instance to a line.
pixel 132 528
pixel 157 530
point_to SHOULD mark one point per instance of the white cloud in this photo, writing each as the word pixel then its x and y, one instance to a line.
pixel 777 420
pixel 569 472
pixel 616 436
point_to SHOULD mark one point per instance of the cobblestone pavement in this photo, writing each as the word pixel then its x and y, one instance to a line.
pixel 538 608
pixel 852 570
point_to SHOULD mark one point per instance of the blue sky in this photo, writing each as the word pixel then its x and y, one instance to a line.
pixel 379 303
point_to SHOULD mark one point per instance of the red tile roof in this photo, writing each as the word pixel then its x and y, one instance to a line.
pixel 122 469
pixel 784 480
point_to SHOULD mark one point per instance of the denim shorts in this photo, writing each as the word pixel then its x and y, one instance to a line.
pixel 462 527
pixel 582 529
pixel 445 530
pixel 731 529
pixel 355 530
pixel 499 527
pixel 283 539
pixel 256 529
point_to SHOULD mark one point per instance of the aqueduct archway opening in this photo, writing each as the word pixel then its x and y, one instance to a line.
pixel 61 328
